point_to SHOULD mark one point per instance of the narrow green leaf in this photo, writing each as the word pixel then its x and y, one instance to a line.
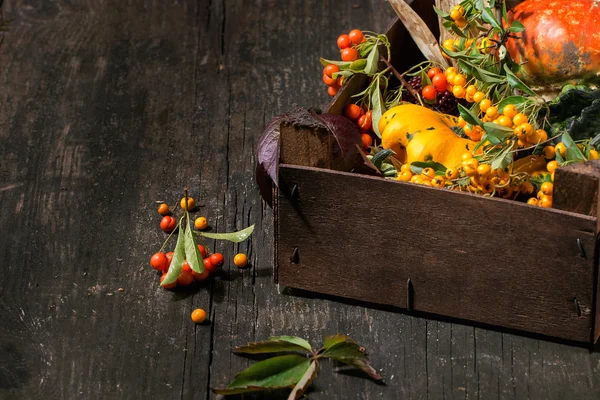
pixel 441 13
pixel 192 253
pixel 515 82
pixel 345 73
pixel 573 152
pixel 273 373
pixel 517 26
pixel 503 160
pixel 378 109
pixel 457 30
pixel 178 257
pixel 358 65
pixel 497 131
pixel 479 5
pixel 488 16
pixel 372 63
pixel 275 344
pixel 332 340
pixel 468 115
pixel 504 13
pixel 518 101
pixel 235 237
pixel 304 382
pixel 341 64
pixel 418 166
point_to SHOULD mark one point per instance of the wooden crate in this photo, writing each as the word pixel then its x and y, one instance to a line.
pixel 433 251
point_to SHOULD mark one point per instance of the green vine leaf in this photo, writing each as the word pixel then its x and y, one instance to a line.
pixel 235 237
pixel 304 382
pixel 273 373
pixel 488 16
pixel 517 26
pixel 515 82
pixel 178 258
pixel 192 253
pixel 468 115
pixel 275 344
pixel 349 352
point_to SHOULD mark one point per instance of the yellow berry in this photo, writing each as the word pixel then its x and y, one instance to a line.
pixel 471 90
pixel 191 204
pixel 478 96
pixel 491 111
pixel 519 119
pixel 562 149
pixel 485 104
pixel 533 201
pixel 405 176
pixel 593 154
pixel 201 223
pixel 549 152
pixel 458 92
pixel 546 188
pixel 510 110
pixel 198 316
pixel 240 260
pixel 405 168
pixel 163 209
pixel 460 80
pixel 504 121
pixel 552 166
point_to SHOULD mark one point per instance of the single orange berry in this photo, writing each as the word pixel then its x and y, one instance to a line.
pixel 201 223
pixel 163 209
pixel 240 260
pixel 198 316
pixel 349 54
pixel 519 119
pixel 356 36
pixel 552 166
pixel 191 204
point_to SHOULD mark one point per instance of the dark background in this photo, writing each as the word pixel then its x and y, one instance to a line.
pixel 109 106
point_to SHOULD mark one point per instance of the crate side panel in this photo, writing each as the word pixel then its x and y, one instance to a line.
pixel 487 260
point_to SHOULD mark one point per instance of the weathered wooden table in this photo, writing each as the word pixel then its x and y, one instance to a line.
pixel 108 106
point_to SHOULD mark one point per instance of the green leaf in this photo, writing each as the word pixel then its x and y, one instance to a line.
pixel 372 64
pixel 304 382
pixel 573 152
pixel 517 26
pixel 515 82
pixel 504 13
pixel 457 30
pixel 486 76
pixel 346 74
pixel 479 5
pixel 488 16
pixel 332 340
pixel 497 133
pixel 418 166
pixel 341 64
pixel 178 258
pixel 503 160
pixel 349 352
pixel 559 158
pixel 358 65
pixel 468 115
pixel 273 373
pixel 275 344
pixel 441 13
pixel 192 253
pixel 235 237
pixel 595 142
pixel 378 109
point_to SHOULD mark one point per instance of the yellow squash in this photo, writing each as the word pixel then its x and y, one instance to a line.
pixel 417 133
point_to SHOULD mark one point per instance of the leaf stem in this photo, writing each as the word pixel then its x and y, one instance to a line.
pixel 403 81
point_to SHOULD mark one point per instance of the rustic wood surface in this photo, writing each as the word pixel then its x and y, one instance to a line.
pixel 108 106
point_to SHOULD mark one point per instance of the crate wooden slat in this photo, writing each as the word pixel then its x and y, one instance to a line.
pixel 492 261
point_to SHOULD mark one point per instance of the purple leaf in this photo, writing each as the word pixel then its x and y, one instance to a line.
pixel 345 132
pixel 268 148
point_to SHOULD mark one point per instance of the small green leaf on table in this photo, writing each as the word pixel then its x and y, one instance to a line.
pixel 275 344
pixel 234 237
pixel 349 352
pixel 178 258
pixel 274 373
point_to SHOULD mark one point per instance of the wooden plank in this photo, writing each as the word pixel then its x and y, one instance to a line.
pixel 454 247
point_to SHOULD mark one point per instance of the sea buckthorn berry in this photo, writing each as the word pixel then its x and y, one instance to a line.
pixel 332 90
pixel 471 90
pixel 352 111
pixel 331 69
pixel 476 133
pixel 521 143
pixel 202 250
pixel 185 278
pixel 461 22
pixel 163 209
pixel 538 136
pixel 343 41
pixel 546 201
pixel 429 93
pixel 478 96
pixel 449 69
pixel 504 121
pixel 186 267
pixel 349 54
pixel 439 82
pixel 438 181
pixel 469 98
pixel 459 80
pixel 520 119
pixel 491 111
pixel 191 204
pixel 364 122
pixel 461 122
pixel 367 140
pixel 455 14
pixel 170 285
pixel 458 92
pixel 552 166
pixel 198 316
pixel 201 223
pixel 329 81
pixel 509 110
pixel 485 46
pixel 168 224
pixel 433 72
pixel 428 172
pixel 533 201
pixel 405 168
pixel 201 277
pixel 240 260
pixel 405 176
pixel 485 104
pixel 159 261
pixel 208 265
pixel 552 176
pixel 549 152
pixel 484 169
pixel 414 179
pixel 469 170
pixel 452 173
pixel 471 162
pixel 546 188
pixel 562 149
pixel 593 154
pixel 356 36
pixel 450 78
pixel 217 259
pixel 466 156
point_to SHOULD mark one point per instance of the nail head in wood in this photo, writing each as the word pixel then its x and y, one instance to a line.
pixel 295 257
pixel 581 249
pixel 409 295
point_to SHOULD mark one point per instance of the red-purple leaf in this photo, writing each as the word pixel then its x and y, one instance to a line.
pixel 268 149
pixel 345 132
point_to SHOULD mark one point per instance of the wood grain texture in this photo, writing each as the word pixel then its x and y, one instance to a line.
pixel 455 247
pixel 110 105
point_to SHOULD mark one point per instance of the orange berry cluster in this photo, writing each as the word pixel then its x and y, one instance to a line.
pixel 439 84
pixel 364 120
pixel 347 44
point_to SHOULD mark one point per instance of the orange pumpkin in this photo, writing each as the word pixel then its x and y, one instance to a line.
pixel 561 41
